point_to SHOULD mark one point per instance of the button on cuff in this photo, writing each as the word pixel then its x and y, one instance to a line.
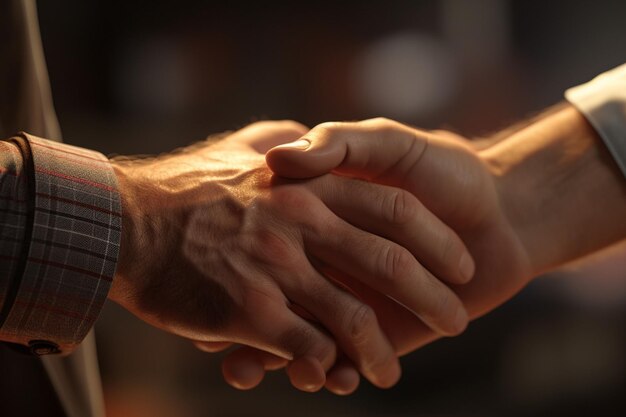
pixel 43 347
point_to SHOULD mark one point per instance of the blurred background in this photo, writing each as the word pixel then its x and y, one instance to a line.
pixel 146 77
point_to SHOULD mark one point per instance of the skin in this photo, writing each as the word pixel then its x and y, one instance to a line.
pixel 545 195
pixel 217 249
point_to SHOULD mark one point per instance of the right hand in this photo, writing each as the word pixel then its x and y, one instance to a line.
pixel 216 249
pixel 450 178
pixel 548 194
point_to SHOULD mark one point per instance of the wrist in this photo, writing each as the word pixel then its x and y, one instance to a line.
pixel 560 190
pixel 131 236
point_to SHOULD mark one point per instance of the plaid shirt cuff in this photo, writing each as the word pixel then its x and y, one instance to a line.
pixel 63 268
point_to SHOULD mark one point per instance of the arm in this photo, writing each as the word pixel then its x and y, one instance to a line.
pixel 214 249
pixel 548 194
pixel 560 189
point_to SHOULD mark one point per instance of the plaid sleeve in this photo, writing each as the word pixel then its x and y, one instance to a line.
pixel 59 241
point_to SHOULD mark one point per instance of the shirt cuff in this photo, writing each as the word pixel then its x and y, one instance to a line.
pixel 70 257
pixel 603 102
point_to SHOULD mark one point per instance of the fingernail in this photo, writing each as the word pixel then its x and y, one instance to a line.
pixel 299 144
pixel 467 267
pixel 310 388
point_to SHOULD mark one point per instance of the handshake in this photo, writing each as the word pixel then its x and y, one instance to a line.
pixel 334 251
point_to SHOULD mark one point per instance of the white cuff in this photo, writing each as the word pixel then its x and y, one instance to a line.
pixel 603 102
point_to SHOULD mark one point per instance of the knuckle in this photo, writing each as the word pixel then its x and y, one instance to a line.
pixel 400 207
pixel 288 197
pixel 253 299
pixel 292 201
pixel 265 124
pixel 298 341
pixel 380 123
pixel 395 261
pixel 290 127
pixel 272 247
pixel 296 127
pixel 361 323
pixel 330 127
pixel 302 209
pixel 383 121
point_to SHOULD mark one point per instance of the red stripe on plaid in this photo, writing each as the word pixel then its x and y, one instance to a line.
pixel 66 151
pixel 70 268
pixel 53 309
pixel 59 295
pixel 77 180
pixel 62 266
pixel 78 203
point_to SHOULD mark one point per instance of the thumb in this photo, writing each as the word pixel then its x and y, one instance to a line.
pixel 365 149
pixel 307 157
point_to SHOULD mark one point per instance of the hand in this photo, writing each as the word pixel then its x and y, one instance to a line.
pixel 449 178
pixel 454 181
pixel 511 203
pixel 217 250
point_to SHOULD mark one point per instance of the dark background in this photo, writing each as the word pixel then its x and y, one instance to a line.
pixel 149 76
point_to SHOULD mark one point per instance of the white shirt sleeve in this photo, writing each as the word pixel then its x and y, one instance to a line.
pixel 603 102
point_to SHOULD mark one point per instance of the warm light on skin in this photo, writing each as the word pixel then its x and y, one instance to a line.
pixel 240 243
pixel 541 196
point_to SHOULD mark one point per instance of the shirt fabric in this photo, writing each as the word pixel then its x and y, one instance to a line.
pixel 603 102
pixel 59 206
pixel 61 223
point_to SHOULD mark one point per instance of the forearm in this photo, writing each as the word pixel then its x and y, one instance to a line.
pixel 560 189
